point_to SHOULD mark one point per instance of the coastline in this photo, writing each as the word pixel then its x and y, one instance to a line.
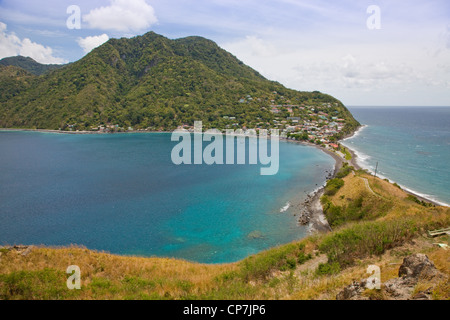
pixel 318 221
pixel 311 213
pixel 354 162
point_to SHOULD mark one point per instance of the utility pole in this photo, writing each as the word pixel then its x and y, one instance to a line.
pixel 376 169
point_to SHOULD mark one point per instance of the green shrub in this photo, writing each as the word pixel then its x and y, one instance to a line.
pixel 361 208
pixel 290 264
pixel 302 257
pixel 344 171
pixel 366 238
pixel 328 268
pixel 422 203
pixel 333 186
pixel 282 258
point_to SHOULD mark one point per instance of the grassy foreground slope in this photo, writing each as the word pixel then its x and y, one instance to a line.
pixel 380 226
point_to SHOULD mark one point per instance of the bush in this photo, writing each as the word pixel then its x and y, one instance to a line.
pixel 333 186
pixel 344 171
pixel 328 268
pixel 365 239
pixel 302 257
pixel 362 208
pixel 422 203
pixel 282 258
pixel 291 263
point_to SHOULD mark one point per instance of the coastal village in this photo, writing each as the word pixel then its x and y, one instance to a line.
pixel 317 123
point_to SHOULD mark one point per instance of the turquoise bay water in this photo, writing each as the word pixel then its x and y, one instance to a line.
pixel 122 194
pixel 411 146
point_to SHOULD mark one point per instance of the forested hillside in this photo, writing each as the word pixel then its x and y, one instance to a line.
pixel 151 82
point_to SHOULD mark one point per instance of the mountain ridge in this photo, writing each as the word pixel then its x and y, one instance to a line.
pixel 30 65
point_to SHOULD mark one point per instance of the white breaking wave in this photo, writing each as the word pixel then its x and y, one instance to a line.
pixel 361 159
pixel 357 132
pixel 286 207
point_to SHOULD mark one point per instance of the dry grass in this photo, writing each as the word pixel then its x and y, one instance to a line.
pixel 154 277
pixel 316 287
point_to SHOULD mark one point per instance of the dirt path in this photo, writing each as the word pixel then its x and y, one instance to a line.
pixel 366 182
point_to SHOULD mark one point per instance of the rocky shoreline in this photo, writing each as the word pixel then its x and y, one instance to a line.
pixel 311 211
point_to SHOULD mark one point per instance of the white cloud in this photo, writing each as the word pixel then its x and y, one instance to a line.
pixel 122 16
pixel 255 46
pixel 448 37
pixel 353 73
pixel 90 43
pixel 11 45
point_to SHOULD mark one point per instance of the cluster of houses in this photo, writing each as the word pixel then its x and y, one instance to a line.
pixel 319 124
pixel 319 127
pixel 107 128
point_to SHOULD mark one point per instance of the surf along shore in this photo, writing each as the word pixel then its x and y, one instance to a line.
pixel 354 162
pixel 311 212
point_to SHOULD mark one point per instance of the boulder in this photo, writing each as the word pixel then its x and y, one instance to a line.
pixel 414 268
pixel 417 266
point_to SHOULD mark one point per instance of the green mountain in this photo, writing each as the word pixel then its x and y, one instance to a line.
pixel 151 82
pixel 29 65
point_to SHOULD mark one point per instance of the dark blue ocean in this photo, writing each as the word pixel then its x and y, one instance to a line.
pixel 410 144
pixel 121 193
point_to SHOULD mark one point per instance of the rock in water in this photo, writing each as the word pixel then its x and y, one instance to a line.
pixel 255 235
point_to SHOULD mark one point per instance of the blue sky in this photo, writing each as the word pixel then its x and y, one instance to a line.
pixel 304 44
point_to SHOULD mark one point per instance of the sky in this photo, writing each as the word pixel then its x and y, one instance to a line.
pixel 365 52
